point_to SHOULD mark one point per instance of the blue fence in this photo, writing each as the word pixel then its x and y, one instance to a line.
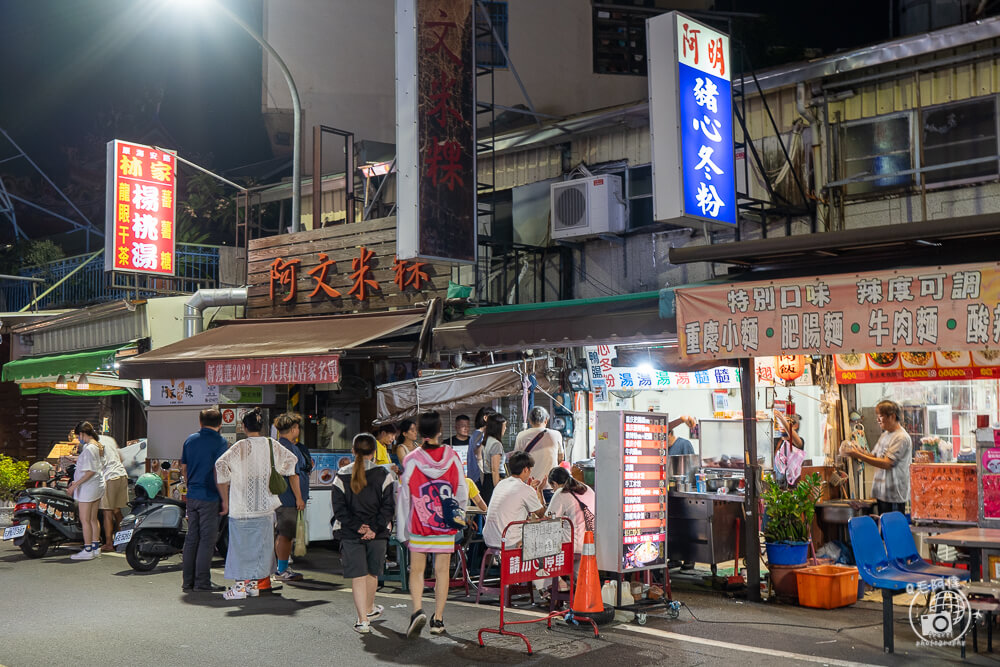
pixel 197 266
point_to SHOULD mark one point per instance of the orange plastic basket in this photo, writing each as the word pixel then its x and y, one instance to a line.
pixel 827 586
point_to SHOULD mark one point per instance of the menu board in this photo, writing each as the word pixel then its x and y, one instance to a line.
pixel 631 481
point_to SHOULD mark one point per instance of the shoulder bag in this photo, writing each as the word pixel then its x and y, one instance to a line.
pixel 589 520
pixel 534 441
pixel 276 483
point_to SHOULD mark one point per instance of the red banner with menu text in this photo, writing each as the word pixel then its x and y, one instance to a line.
pixel 924 309
pixel 274 370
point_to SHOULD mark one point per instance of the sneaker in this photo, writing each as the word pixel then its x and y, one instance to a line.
pixel 375 612
pixel 417 622
pixel 83 554
pixel 363 627
pixel 253 589
pixel 437 626
pixel 237 592
pixel 96 552
pixel 287 575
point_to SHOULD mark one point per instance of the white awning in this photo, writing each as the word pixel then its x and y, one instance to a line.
pixel 455 389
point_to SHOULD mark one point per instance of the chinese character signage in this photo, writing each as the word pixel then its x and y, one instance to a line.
pixel 913 311
pixel 189 391
pixel 140 223
pixel 691 121
pixel 274 370
pixel 604 376
pixel 341 268
pixel 435 130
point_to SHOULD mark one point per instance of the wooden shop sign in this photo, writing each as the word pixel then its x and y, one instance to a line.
pixel 338 269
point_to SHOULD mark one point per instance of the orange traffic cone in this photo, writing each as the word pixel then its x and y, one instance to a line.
pixel 587 597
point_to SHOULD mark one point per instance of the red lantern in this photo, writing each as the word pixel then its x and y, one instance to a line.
pixel 790 366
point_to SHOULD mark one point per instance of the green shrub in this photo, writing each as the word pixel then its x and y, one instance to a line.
pixel 790 511
pixel 13 476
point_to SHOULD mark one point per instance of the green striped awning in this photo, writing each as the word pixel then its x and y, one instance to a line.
pixel 59 364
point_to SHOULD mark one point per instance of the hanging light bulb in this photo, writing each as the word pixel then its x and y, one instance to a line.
pixel 61 382
pixel 83 382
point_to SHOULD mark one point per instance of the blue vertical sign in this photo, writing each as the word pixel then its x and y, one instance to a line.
pixel 691 121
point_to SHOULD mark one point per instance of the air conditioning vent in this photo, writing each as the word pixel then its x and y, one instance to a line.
pixel 587 207
pixel 571 207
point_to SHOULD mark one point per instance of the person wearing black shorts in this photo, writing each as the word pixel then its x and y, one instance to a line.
pixel 363 508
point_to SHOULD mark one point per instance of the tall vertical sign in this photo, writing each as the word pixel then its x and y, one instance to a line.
pixel 139 220
pixel 691 121
pixel 436 130
pixel 632 474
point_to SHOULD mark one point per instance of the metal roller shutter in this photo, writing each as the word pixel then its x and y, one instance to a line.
pixel 58 414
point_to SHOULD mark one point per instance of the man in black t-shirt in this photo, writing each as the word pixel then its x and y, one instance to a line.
pixel 461 437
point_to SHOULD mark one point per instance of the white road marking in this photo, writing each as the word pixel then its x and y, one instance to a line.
pixel 737 647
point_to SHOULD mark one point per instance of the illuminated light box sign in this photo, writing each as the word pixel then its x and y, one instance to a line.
pixel 691 121
pixel 631 489
pixel 140 226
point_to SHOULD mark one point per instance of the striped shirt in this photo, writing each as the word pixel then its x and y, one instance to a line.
pixel 893 485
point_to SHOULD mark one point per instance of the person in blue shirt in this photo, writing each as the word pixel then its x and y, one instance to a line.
pixel 289 426
pixel 201 450
pixel 678 446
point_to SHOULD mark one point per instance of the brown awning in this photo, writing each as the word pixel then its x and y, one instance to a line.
pixel 456 389
pixel 632 318
pixel 946 241
pixel 259 339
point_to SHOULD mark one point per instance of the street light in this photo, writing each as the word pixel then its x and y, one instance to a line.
pixel 296 110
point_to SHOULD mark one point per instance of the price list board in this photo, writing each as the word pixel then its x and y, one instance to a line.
pixel 631 486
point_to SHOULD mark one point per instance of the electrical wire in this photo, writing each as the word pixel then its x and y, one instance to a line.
pixel 785 625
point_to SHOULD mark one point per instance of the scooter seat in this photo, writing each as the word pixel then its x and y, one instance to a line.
pixel 51 493
pixel 159 500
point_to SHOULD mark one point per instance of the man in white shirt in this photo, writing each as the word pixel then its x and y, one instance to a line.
pixel 515 498
pixel 544 444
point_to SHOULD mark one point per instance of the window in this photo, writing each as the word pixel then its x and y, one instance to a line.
pixel 876 150
pixel 637 186
pixel 488 52
pixel 620 40
pixel 956 133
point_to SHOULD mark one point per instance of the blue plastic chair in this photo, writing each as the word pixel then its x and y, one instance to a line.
pixel 903 550
pixel 878 571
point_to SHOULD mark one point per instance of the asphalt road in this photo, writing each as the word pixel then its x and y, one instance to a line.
pixel 55 611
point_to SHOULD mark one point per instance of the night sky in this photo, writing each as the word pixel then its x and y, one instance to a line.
pixel 77 73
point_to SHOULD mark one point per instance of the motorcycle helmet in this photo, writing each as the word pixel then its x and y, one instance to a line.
pixel 149 484
pixel 40 472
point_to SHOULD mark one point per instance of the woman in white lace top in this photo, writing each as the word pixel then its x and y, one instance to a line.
pixel 242 474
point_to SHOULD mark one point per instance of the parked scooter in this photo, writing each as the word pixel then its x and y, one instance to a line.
pixel 156 527
pixel 43 518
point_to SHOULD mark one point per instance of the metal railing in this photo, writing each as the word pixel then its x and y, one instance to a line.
pixel 197 266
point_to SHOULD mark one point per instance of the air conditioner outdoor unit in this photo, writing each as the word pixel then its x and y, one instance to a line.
pixel 587 207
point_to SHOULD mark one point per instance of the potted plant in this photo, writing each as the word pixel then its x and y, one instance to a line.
pixel 789 518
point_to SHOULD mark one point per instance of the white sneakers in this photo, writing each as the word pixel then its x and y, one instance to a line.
pixel 83 554
pixel 363 627
pixel 238 591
